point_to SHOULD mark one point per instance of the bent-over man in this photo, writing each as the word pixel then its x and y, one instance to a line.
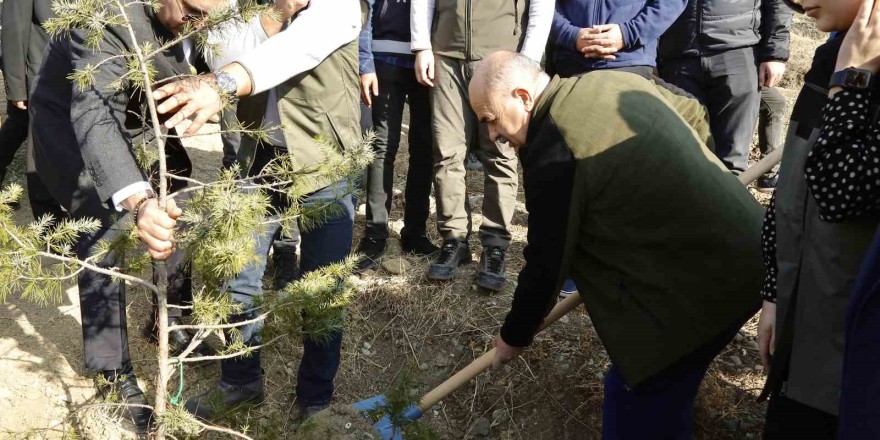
pixel 626 199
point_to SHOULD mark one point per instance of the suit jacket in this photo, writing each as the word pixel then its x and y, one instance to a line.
pixel 88 137
pixel 24 42
pixel 661 240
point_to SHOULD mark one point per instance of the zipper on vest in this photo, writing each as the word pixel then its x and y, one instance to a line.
pixel 467 33
pixel 515 17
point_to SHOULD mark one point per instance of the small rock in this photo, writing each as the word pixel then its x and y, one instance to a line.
pixel 436 413
pixel 481 427
pixel 367 345
pixel 759 368
pixel 348 426
pixel 423 366
pixel 396 266
pixel 739 337
pixel 442 360
pixel 600 375
pixel 736 361
pixel 366 351
pixel 362 209
pixel 753 345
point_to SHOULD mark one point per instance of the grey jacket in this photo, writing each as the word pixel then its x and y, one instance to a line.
pixel 24 43
pixel 87 137
pixel 818 262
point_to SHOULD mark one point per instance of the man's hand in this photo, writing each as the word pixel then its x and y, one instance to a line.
pixel 194 96
pixel 21 105
pixel 425 67
pixel 282 11
pixel 770 73
pixel 155 227
pixel 504 353
pixel 369 88
pixel 601 41
pixel 861 46
pixel 767 334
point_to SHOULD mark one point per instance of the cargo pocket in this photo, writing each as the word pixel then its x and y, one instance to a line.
pixel 337 134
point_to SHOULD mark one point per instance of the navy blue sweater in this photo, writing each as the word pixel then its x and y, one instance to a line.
pixel 386 35
pixel 641 23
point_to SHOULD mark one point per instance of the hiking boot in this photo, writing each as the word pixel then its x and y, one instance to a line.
pixel 370 249
pixel 225 397
pixel 123 388
pixel 491 275
pixel 285 266
pixel 418 245
pixel 767 184
pixel 472 162
pixel 454 253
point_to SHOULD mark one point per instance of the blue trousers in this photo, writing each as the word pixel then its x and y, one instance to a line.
pixel 662 407
pixel 328 243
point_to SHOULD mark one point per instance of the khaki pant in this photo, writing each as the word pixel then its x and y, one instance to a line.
pixel 456 127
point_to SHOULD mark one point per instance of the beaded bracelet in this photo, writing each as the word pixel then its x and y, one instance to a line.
pixel 137 208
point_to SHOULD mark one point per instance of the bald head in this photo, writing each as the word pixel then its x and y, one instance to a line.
pixel 503 92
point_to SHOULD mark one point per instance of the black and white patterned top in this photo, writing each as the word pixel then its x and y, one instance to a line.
pixel 842 172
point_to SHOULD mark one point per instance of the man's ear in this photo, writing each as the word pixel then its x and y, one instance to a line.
pixel 526 98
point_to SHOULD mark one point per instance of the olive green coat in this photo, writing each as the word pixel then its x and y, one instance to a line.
pixel 319 103
pixel 663 242
pixel 471 29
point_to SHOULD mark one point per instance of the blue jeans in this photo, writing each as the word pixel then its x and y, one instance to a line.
pixel 319 246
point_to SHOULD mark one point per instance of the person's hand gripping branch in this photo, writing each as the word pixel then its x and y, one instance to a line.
pixel 155 226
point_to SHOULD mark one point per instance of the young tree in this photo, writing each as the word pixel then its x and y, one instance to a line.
pixel 221 220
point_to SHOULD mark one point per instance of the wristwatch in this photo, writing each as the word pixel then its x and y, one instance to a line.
pixel 227 84
pixel 852 79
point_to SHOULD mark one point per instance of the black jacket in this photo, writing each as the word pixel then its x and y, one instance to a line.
pixel 24 43
pixel 708 27
pixel 85 138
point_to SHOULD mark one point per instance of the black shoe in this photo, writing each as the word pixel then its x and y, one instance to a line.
pixel 123 388
pixel 454 253
pixel 307 411
pixel 179 339
pixel 767 184
pixel 285 266
pixel 491 275
pixel 224 397
pixel 370 249
pixel 418 245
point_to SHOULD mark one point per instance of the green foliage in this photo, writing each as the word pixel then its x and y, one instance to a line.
pixel 312 306
pixel 23 252
pixel 223 221
pixel 179 422
pixel 91 16
pixel 402 394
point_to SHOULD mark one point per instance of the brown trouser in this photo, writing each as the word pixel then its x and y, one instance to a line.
pixel 455 128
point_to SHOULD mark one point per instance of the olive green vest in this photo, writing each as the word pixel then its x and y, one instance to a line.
pixel 664 243
pixel 471 29
pixel 319 103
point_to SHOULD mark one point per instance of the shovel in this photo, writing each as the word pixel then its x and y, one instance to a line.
pixel 386 428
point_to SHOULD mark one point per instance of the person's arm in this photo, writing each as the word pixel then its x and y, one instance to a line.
pixel 843 169
pixel 562 32
pixel 16 21
pixel 548 180
pixel 775 31
pixel 315 34
pixel 421 16
pixel 540 20
pixel 651 22
pixel 767 321
pixel 365 44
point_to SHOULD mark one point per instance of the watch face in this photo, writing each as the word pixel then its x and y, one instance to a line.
pixel 857 78
pixel 226 83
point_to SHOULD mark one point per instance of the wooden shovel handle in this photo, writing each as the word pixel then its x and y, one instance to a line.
pixel 484 362
pixel 761 167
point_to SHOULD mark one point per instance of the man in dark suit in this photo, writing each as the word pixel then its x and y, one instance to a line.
pixel 24 44
pixel 84 142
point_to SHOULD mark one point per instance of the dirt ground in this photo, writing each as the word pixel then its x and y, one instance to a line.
pixel 395 321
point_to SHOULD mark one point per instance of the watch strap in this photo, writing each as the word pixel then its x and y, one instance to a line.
pixel 852 79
